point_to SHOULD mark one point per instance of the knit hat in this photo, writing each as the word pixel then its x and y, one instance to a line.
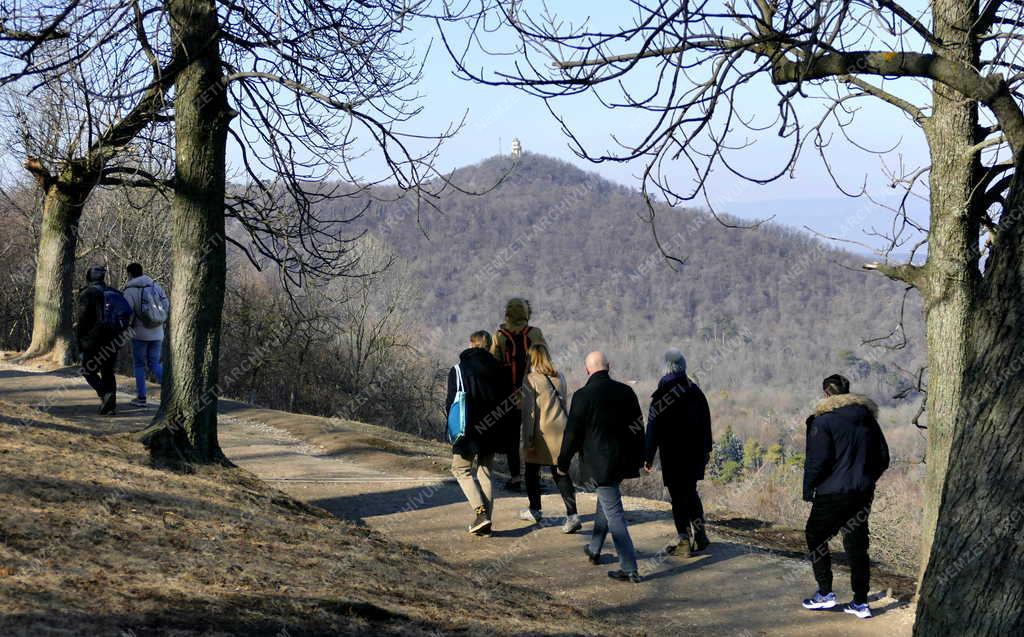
pixel 675 360
pixel 96 274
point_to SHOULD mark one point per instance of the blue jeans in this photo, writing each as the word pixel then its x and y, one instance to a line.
pixel 146 353
pixel 611 516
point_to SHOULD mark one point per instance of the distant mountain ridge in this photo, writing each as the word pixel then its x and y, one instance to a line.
pixel 771 307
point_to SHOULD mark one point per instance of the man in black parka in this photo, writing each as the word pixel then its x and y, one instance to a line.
pixel 679 427
pixel 846 455
pixel 488 398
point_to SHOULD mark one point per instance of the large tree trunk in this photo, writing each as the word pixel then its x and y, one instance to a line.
pixel 974 584
pixel 951 276
pixel 185 430
pixel 53 309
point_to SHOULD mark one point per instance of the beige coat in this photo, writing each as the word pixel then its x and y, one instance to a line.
pixel 544 418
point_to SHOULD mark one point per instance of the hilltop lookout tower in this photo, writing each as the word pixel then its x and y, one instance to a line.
pixel 517 148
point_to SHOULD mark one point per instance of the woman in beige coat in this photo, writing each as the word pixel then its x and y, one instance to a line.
pixel 545 414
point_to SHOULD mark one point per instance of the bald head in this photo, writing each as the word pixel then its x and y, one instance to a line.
pixel 596 362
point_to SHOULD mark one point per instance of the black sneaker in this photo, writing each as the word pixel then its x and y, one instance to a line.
pixel 109 405
pixel 623 576
pixel 593 558
pixel 514 485
pixel 482 524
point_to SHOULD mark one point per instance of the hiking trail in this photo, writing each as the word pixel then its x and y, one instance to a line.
pixel 399 485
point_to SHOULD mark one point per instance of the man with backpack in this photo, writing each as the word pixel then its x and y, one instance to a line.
pixel 512 341
pixel 150 306
pixel 103 317
pixel 478 391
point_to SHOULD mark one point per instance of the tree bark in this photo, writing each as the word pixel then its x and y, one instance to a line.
pixel 951 277
pixel 185 429
pixel 53 316
pixel 974 583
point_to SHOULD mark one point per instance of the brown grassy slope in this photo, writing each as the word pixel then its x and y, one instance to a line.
pixel 93 541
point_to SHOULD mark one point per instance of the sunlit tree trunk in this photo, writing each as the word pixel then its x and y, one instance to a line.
pixel 54 299
pixel 951 277
pixel 185 430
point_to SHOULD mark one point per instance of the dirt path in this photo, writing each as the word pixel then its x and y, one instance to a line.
pixel 398 485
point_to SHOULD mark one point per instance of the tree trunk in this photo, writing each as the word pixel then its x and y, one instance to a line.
pixel 951 276
pixel 185 430
pixel 53 309
pixel 974 583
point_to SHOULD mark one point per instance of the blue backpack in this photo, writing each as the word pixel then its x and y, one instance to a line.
pixel 117 312
pixel 457 414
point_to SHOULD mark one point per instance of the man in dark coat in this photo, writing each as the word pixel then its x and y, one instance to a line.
pixel 488 398
pixel 606 428
pixel 679 427
pixel 846 455
pixel 97 344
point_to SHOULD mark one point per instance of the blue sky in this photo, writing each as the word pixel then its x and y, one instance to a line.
pixel 494 115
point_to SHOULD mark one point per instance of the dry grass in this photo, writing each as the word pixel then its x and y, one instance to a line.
pixel 773 494
pixel 94 541
pixel 771 498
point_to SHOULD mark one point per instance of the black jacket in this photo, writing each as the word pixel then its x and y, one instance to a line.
pixel 846 450
pixel 679 426
pixel 488 398
pixel 606 428
pixel 89 330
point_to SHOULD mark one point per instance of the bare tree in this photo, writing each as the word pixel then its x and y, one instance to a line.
pixel 695 72
pixel 293 85
pixel 82 83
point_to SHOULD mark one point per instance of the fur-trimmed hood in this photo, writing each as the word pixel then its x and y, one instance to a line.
pixel 839 401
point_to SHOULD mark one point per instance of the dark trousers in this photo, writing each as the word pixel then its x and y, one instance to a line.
pixel 564 484
pixel 846 514
pixel 687 508
pixel 512 437
pixel 98 369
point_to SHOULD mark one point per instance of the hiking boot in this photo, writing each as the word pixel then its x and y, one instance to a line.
pixel 531 515
pixel 138 402
pixel 593 558
pixel 679 546
pixel 572 524
pixel 109 405
pixel 820 602
pixel 515 485
pixel 700 541
pixel 482 523
pixel 623 576
pixel 861 611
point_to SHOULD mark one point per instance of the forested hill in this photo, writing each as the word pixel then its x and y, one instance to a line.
pixel 770 306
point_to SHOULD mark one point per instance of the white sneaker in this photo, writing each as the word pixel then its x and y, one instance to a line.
pixel 530 515
pixel 862 611
pixel 572 524
pixel 820 602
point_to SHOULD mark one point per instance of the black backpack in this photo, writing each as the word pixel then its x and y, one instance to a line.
pixel 117 312
pixel 518 343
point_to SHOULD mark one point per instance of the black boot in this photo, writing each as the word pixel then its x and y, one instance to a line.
pixel 109 405
pixel 700 538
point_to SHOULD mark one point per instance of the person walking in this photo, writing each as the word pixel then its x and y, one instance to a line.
pixel 605 427
pixel 103 316
pixel 150 306
pixel 679 429
pixel 846 455
pixel 510 345
pixel 544 417
pixel 483 380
